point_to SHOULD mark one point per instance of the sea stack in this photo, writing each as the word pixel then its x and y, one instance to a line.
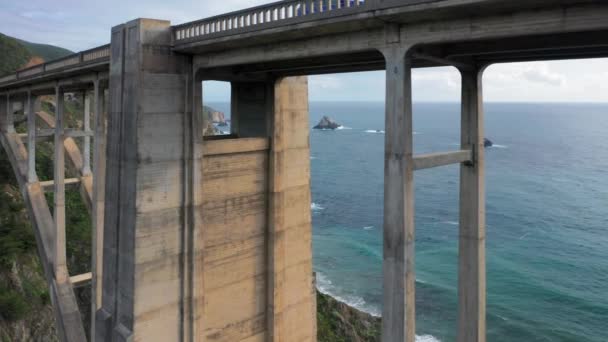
pixel 487 142
pixel 327 123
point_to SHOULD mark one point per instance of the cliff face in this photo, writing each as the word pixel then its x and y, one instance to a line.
pixel 338 322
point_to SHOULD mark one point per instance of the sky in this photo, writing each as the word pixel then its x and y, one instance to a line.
pixel 82 24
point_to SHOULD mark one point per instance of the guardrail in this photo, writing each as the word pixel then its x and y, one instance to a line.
pixel 77 59
pixel 265 16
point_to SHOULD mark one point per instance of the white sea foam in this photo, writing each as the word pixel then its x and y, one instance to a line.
pixel 499 146
pixel 451 223
pixel 325 286
pixel 368 227
pixel 343 127
pixel 426 338
pixel 375 131
pixel 312 158
pixel 314 206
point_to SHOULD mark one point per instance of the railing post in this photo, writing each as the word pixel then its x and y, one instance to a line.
pixel 398 312
pixel 31 138
pixel 86 157
pixel 471 250
pixel 60 264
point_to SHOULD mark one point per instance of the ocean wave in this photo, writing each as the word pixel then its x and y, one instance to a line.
pixel 368 227
pixel 343 127
pixel 499 146
pixel 315 206
pixel 375 131
pixel 325 286
pixel 451 223
pixel 312 158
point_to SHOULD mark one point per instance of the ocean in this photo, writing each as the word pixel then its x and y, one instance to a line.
pixel 547 217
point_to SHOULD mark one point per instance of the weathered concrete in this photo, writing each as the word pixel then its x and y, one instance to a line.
pixel 143 248
pixel 471 248
pixel 251 108
pixel 398 309
pixel 291 294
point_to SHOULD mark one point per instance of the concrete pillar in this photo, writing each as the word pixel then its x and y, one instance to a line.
pixel 251 106
pixel 398 311
pixel 144 230
pixel 471 259
pixel 99 167
pixel 60 263
pixel 31 138
pixel 291 294
pixel 86 153
pixel 4 110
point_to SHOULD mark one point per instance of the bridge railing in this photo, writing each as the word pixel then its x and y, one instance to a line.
pixel 77 59
pixel 265 16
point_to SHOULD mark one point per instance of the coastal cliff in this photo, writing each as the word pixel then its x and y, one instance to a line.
pixel 338 322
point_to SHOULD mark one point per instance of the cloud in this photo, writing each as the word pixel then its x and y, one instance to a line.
pixel 445 76
pixel 325 82
pixel 513 75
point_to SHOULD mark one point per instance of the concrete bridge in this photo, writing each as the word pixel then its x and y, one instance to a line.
pixel 209 239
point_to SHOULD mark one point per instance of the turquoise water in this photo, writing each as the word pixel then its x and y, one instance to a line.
pixel 547 217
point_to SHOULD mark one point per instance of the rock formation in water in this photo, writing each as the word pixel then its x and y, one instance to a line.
pixel 327 123
pixel 487 142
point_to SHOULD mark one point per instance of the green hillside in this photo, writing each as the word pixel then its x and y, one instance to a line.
pixel 13 54
pixel 16 53
pixel 45 51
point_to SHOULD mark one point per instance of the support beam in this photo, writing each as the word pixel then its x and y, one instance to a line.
pixel 76 133
pixel 430 160
pixel 398 301
pixel 60 262
pixel 81 279
pixel 471 250
pixel 4 113
pixel 86 153
pixel 48 186
pixel 99 173
pixel 441 61
pixel 31 139
pixel 10 115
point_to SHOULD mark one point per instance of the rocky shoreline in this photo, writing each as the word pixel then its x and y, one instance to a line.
pixel 339 322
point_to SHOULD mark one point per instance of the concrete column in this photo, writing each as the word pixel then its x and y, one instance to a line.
pixel 250 108
pixel 99 167
pixel 471 259
pixel 398 312
pixel 4 110
pixel 291 310
pixel 31 138
pixel 61 272
pixel 86 153
pixel 144 247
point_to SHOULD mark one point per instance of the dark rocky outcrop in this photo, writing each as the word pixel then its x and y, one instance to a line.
pixel 487 142
pixel 327 123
